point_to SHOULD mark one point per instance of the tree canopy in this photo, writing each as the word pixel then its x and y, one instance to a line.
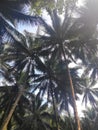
pixel 41 70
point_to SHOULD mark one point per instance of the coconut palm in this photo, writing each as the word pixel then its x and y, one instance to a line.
pixel 37 117
pixel 89 121
pixel 26 47
pixel 12 12
pixel 90 93
pixel 57 86
pixel 57 40
pixel 65 123
pixel 91 69
pixel 24 55
pixel 63 41
pixel 9 99
pixel 69 39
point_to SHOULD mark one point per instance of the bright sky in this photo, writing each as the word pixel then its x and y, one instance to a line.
pixel 80 2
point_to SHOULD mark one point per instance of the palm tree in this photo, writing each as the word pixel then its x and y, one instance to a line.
pixel 24 55
pixel 6 121
pixel 12 12
pixel 61 92
pixel 8 103
pixel 91 69
pixel 89 121
pixel 56 42
pixel 90 93
pixel 65 123
pixel 65 40
pixel 37 117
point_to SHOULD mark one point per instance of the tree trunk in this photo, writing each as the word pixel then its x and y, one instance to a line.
pixel 78 125
pixel 8 118
pixel 74 101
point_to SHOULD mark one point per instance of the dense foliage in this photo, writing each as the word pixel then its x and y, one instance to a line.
pixel 40 71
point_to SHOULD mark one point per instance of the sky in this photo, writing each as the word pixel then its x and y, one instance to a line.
pixel 80 2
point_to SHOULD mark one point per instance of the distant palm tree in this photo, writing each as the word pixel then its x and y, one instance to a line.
pixel 65 123
pixel 90 93
pixel 37 118
pixel 89 121
pixel 91 68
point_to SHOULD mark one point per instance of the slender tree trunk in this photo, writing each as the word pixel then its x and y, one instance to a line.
pixel 78 125
pixel 74 101
pixel 8 118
